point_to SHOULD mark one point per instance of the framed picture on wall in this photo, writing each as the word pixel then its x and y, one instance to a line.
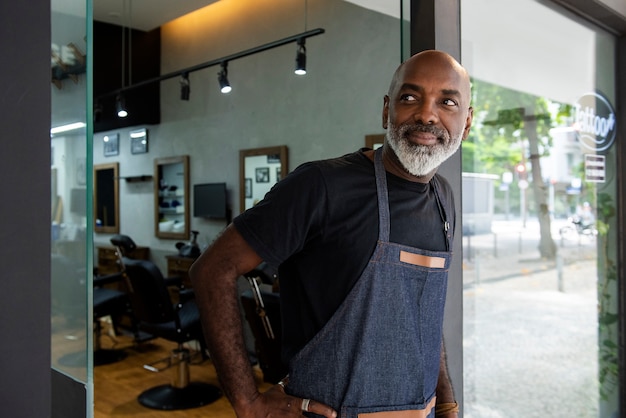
pixel 273 158
pixel 248 188
pixel 139 141
pixel 262 175
pixel 111 145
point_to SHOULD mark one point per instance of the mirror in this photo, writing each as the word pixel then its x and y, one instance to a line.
pixel 374 141
pixel 259 170
pixel 171 197
pixel 106 208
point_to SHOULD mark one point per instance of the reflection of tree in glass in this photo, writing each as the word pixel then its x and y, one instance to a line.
pixel 512 127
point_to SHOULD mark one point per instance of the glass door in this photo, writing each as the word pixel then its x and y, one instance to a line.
pixel 539 214
pixel 71 179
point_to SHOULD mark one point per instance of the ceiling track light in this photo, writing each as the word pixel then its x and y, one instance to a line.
pixel 120 106
pixel 301 58
pixel 185 88
pixel 222 77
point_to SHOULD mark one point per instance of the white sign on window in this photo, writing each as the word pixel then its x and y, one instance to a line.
pixel 595 168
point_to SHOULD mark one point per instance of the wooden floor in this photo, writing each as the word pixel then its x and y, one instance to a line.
pixel 118 385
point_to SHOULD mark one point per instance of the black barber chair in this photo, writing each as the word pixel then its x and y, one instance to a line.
pixel 107 302
pixel 261 306
pixel 158 315
pixel 69 280
pixel 125 250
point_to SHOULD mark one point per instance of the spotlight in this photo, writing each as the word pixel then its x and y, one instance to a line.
pixel 301 58
pixel 120 105
pixel 222 77
pixel 184 87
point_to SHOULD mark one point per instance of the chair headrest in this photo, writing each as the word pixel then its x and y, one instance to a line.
pixel 124 242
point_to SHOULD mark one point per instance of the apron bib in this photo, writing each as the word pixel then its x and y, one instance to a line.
pixel 380 350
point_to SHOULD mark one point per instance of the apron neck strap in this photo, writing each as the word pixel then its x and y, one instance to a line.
pixel 383 202
pixel 382 193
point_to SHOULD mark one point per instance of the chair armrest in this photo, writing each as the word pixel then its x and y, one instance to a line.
pixel 106 279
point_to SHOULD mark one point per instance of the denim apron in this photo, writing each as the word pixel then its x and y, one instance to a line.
pixel 380 350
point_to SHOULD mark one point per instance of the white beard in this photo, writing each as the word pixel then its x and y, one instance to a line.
pixel 420 160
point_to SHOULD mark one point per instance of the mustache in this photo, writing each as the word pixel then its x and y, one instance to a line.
pixel 409 128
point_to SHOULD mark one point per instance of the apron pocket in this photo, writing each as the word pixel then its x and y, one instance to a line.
pixel 404 411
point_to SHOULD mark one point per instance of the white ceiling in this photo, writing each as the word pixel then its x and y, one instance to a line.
pixel 150 14
pixel 144 14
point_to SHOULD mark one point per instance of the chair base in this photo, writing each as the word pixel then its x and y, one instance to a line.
pixel 102 357
pixel 169 398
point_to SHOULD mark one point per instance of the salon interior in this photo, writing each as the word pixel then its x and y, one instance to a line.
pixel 223 98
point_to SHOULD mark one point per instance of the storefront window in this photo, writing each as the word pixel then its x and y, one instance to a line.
pixel 539 208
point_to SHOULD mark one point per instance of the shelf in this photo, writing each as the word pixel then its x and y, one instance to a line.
pixel 172 211
pixel 166 194
pixel 135 179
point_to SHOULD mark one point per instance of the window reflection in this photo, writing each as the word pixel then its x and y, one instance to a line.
pixel 531 273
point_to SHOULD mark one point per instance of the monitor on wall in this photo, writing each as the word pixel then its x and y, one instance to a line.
pixel 209 201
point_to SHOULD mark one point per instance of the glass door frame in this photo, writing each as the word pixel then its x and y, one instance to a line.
pixel 436 24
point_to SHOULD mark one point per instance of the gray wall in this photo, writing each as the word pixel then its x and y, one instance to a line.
pixel 326 113
pixel 25 225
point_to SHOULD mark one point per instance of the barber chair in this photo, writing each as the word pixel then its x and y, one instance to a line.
pixel 261 306
pixel 158 315
pixel 70 280
pixel 107 302
pixel 125 248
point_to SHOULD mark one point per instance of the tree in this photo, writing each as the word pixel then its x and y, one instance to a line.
pixel 512 127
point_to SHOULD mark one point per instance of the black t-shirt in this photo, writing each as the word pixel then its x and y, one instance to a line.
pixel 319 226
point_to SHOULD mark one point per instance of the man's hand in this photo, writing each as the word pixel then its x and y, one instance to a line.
pixel 276 403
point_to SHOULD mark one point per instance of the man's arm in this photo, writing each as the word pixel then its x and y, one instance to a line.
pixel 214 277
pixel 446 405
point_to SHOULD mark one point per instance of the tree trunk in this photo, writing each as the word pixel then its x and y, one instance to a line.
pixel 547 247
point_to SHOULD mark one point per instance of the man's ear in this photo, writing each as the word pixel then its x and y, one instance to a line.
pixel 468 122
pixel 385 111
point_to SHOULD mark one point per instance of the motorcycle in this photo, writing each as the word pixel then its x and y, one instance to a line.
pixel 576 229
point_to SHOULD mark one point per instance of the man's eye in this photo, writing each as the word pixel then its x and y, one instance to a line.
pixel 407 98
pixel 449 102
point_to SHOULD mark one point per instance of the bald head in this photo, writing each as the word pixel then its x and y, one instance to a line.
pixel 436 65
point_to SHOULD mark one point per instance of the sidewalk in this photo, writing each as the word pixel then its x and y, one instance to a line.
pixel 530 326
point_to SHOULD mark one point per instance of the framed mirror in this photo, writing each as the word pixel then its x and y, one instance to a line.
pixel 374 141
pixel 171 197
pixel 106 206
pixel 259 170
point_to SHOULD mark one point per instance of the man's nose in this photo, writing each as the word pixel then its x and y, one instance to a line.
pixel 426 113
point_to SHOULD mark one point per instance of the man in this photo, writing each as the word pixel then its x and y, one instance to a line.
pixel 363 244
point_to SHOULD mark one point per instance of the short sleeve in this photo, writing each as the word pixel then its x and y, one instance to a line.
pixel 290 214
